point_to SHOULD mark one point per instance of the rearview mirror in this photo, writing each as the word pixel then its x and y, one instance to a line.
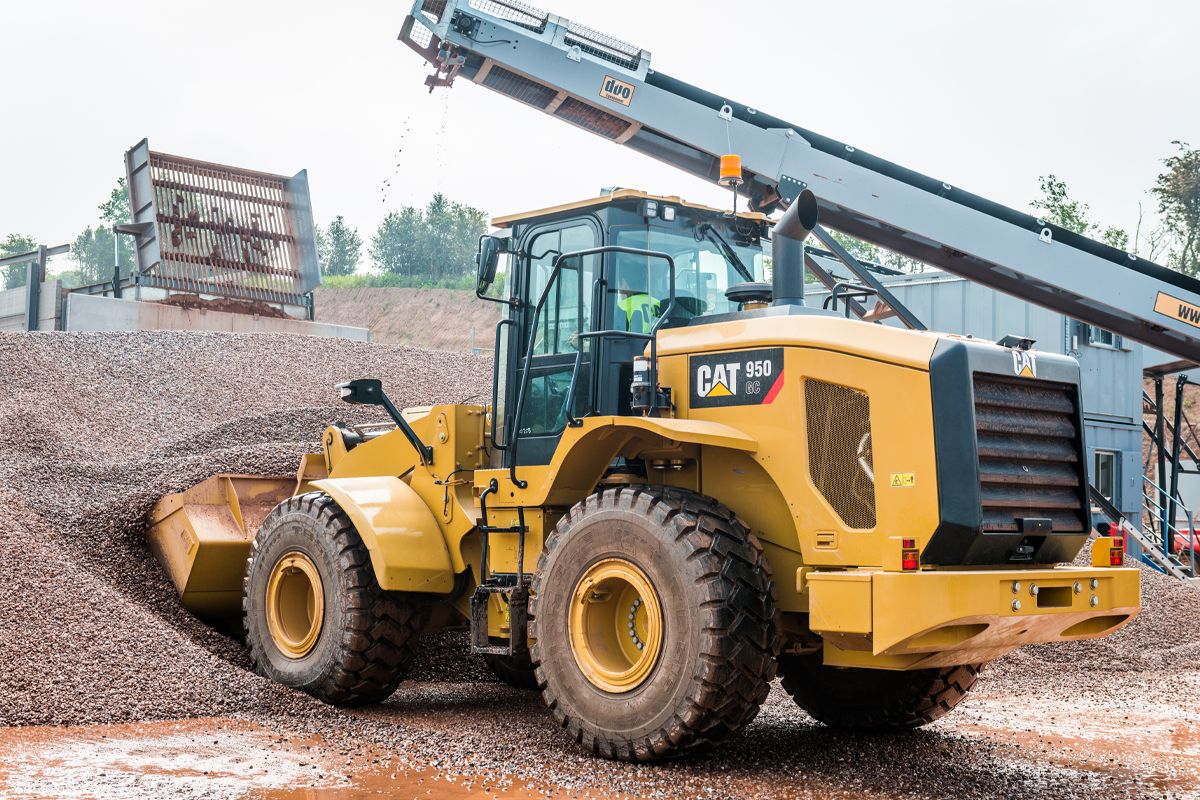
pixel 487 258
pixel 362 392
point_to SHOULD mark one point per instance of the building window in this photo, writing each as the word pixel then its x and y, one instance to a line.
pixel 1098 337
pixel 1105 475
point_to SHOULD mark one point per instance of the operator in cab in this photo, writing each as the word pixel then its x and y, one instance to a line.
pixel 636 309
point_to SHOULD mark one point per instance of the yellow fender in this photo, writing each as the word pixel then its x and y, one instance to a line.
pixel 408 549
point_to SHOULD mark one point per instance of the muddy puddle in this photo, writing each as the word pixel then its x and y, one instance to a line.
pixel 216 759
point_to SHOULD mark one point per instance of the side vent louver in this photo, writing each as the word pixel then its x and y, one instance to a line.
pixel 839 450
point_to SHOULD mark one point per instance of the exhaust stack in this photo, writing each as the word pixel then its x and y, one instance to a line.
pixel 787 250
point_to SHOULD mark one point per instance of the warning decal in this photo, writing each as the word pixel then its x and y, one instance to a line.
pixel 741 378
pixel 1178 309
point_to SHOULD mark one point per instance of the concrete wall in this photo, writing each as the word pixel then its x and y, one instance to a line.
pixel 13 303
pixel 98 313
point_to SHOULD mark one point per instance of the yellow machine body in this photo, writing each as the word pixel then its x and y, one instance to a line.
pixel 846 585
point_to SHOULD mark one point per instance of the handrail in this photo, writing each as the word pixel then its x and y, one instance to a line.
pixel 555 271
pixel 1167 527
pixel 496 384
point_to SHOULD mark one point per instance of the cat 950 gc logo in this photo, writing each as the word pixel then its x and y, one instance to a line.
pixel 741 378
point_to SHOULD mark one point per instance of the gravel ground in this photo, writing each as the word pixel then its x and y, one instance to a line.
pixel 95 427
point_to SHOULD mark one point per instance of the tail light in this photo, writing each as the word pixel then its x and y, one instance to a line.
pixel 910 556
pixel 1108 551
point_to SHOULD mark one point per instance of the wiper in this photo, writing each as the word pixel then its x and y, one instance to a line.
pixel 730 255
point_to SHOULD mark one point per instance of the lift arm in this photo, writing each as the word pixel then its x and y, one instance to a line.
pixel 607 87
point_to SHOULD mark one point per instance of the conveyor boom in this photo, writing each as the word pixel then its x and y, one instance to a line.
pixel 607 87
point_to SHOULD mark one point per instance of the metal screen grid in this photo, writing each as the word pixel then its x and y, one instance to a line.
pixel 603 46
pixel 593 119
pixel 526 16
pixel 223 231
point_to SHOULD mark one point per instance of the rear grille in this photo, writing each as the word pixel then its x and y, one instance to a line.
pixel 839 450
pixel 1029 463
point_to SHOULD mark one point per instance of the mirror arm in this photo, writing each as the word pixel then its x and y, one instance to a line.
pixel 424 451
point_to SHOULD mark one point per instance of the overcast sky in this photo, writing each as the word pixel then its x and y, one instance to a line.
pixel 984 95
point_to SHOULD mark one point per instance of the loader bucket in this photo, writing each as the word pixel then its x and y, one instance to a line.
pixel 202 537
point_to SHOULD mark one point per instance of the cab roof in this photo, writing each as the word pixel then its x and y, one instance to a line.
pixel 610 197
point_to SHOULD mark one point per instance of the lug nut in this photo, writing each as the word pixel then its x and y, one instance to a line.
pixel 1078 587
pixel 1095 583
pixel 1095 601
pixel 1033 589
pixel 1016 605
pixel 1016 586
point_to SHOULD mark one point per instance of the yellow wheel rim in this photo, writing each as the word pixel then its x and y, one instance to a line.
pixel 615 625
pixel 295 604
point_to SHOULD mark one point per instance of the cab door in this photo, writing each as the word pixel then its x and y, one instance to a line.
pixel 549 340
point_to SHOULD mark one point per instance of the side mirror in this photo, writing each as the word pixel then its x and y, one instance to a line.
pixel 362 392
pixel 486 259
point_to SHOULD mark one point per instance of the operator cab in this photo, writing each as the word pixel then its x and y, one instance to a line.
pixel 587 285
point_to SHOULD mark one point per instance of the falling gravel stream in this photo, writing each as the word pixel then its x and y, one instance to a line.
pixel 95 427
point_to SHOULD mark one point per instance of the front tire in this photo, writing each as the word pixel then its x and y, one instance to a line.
pixel 315 617
pixel 654 623
pixel 874 699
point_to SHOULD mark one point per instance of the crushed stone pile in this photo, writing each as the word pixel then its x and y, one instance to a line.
pixel 94 428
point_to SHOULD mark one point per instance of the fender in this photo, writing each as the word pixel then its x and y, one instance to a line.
pixel 584 453
pixel 408 549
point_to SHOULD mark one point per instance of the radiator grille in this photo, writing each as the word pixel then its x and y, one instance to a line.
pixel 519 87
pixel 591 118
pixel 839 450
pixel 1029 463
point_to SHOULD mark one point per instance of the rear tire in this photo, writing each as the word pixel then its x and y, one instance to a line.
pixel 874 699
pixel 314 615
pixel 654 624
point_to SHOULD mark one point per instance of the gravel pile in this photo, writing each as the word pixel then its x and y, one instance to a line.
pixel 94 428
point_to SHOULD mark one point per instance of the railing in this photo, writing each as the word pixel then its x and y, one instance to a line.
pixel 1170 534
pixel 1152 553
pixel 651 337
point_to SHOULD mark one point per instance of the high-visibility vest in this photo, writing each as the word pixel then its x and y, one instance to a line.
pixel 638 302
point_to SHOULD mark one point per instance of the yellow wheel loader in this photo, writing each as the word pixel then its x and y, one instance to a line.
pixel 686 482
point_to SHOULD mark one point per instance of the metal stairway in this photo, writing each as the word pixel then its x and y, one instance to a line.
pixel 1151 547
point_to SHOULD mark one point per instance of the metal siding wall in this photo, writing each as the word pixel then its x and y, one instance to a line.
pixel 1127 440
pixel 1112 379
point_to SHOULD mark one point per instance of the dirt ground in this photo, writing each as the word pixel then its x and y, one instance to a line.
pixel 437 319
pixel 108 689
pixel 1097 737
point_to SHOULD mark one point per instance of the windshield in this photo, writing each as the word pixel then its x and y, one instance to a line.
pixel 709 258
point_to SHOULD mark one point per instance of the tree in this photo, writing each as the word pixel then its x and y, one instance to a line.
pixel 14 245
pixel 865 251
pixel 436 243
pixel 1059 208
pixel 92 250
pixel 1178 193
pixel 339 248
